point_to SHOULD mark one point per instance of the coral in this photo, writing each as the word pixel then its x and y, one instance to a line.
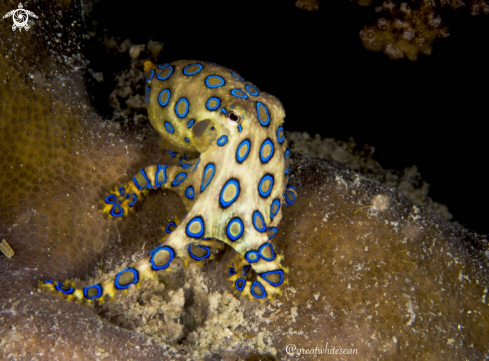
pixel 407 28
pixel 369 270
pixel 350 155
pixel 407 32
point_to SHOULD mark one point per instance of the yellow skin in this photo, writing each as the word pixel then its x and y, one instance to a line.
pixel 200 107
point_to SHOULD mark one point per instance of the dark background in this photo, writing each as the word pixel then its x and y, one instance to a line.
pixel 431 113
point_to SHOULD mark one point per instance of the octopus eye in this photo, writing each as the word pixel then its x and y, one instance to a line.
pixel 234 118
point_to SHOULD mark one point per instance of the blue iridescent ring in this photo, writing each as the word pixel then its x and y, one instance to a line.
pixel 269 143
pixel 171 224
pixel 189 192
pixel 180 177
pixel 212 77
pixel 275 284
pixel 99 292
pixel 148 89
pixel 198 234
pixel 123 287
pixel 69 291
pixel 166 92
pixel 241 230
pixel 167 76
pixel 152 261
pixel 257 284
pixel 266 120
pixel 252 90
pixel 246 143
pixel 208 168
pixel 280 134
pixel 184 114
pixel 239 93
pixel 186 72
pixel 169 127
pixel 207 255
pixel 265 193
pixel 240 284
pixel 251 259
pixel 222 140
pixel 237 76
pixel 257 214
pixel 217 100
pixel 231 182
pixel 262 249
pixel 150 75
pixel 275 203
pixel 190 123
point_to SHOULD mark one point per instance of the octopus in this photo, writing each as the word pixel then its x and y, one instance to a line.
pixel 231 175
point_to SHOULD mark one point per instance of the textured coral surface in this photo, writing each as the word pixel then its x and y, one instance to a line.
pixel 368 270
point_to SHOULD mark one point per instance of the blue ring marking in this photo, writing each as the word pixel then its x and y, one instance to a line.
pixel 289 193
pixel 85 292
pixel 244 142
pixel 240 129
pixel 208 166
pixel 66 292
pixel 264 293
pixel 190 192
pixel 165 77
pixel 240 284
pixel 136 278
pixel 239 93
pixel 234 220
pixel 180 161
pixel 275 284
pixel 49 282
pixel 186 109
pixel 223 111
pixel 110 201
pixel 134 201
pixel 164 91
pixel 207 255
pixel 266 121
pixel 168 230
pixel 160 169
pixel 253 90
pixel 179 178
pixel 150 75
pixel 280 140
pixel 214 86
pixel 228 183
pixel 196 164
pixel 184 156
pixel 262 247
pixel 172 153
pixel 255 215
pixel 145 177
pixel 291 187
pixel 192 73
pixel 172 256
pixel 286 156
pixel 121 190
pixel 190 123
pixel 205 238
pixel 269 142
pixel 274 232
pixel 222 140
pixel 113 212
pixel 272 213
pixel 267 193
pixel 217 105
pixel 187 140
pixel 237 76
pixel 248 254
pixel 148 89
pixel 185 166
pixel 246 269
pixel 201 232
pixel 231 271
pixel 169 127
pixel 162 66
